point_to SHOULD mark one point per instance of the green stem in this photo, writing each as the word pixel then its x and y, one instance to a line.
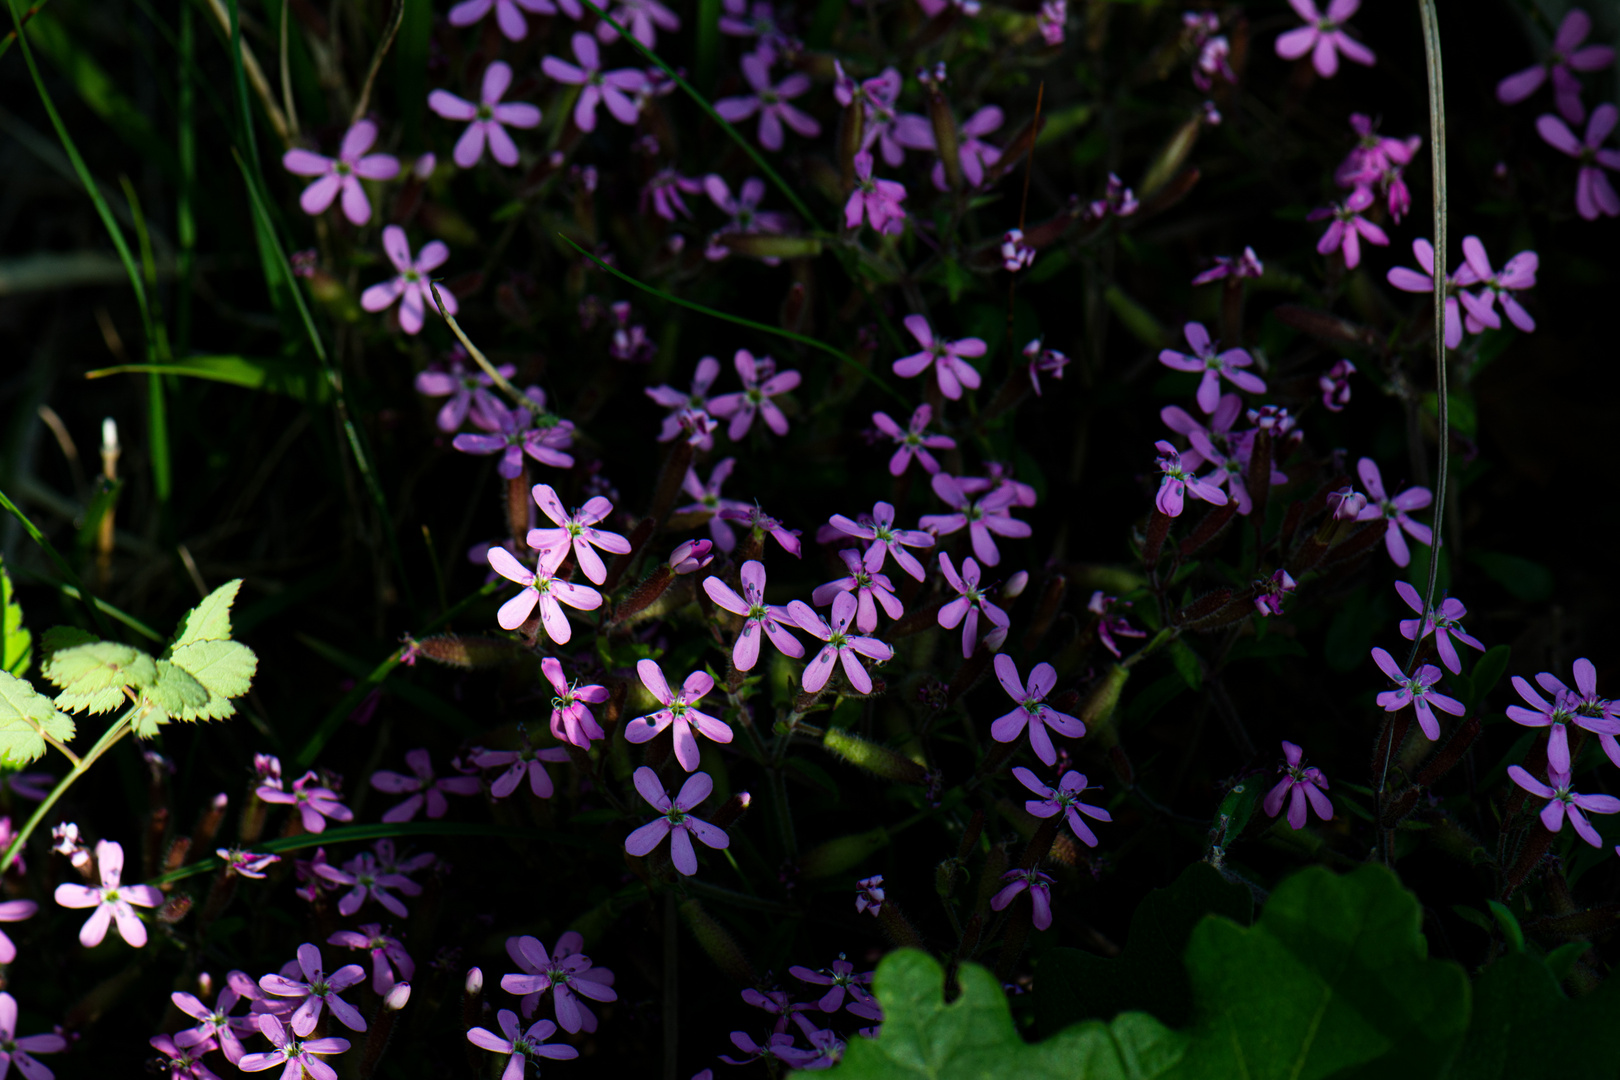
pixel 118 730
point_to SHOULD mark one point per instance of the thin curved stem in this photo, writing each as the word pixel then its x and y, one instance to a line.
pixel 118 730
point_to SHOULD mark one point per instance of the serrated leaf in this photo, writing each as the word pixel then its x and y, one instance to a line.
pixel 93 676
pixel 16 643
pixel 176 689
pixel 224 668
pixel 58 638
pixel 209 620
pixel 26 716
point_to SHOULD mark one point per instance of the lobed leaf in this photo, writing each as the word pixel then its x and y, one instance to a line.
pixel 93 676
pixel 26 717
pixel 223 668
pixel 209 620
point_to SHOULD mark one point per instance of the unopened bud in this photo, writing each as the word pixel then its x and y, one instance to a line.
pixel 1015 585
pixel 691 556
pixel 718 943
pixel 1098 710
pixel 400 996
pixel 844 853
pixel 947 877
pixel 475 982
pixel 109 437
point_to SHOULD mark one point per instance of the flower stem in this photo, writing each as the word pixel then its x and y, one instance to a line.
pixel 118 730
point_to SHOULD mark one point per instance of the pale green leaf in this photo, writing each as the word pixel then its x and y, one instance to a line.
pixel 209 620
pixel 93 676
pixel 26 717
pixel 16 643
pixel 224 668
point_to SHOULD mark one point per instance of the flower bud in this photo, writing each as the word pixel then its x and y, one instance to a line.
pixel 885 762
pixel 400 995
pixel 475 982
pixel 1015 585
pixel 1098 710
pixel 717 941
pixel 691 556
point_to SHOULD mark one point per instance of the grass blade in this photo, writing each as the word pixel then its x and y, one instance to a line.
pixel 50 549
pixel 293 378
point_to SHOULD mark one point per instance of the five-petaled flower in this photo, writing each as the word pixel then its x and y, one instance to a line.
pixel 299 1057
pixel 486 119
pixel 367 877
pixel 217 1023
pixel 387 955
pixel 317 991
pixel 1213 365
pixel 315 802
pixel 870 590
pixel 1349 228
pixel 615 89
pixel 521 1045
pixel 1380 505
pixel 527 760
pixel 574 531
pixel 565 972
pixel 410 287
pixel 1559 714
pixel 677 821
pixel 540 588
pixel 342 173
pixel 761 382
pixel 514 433
pixel 1585 701
pixel 1299 785
pixel 971 601
pixel 876 201
pixel 680 711
pixel 1417 691
pixel 468 391
pixel 886 540
pixel 989 513
pixel 1443 622
pixel 1067 798
pixel 184 1062
pixel 1518 274
pixel 1040 894
pixel 421 788
pixel 1323 37
pixel 641 17
pixel 759 618
pixel 507 14
pixel 709 498
pixel 841 979
pixel 1567 57
pixel 708 369
pixel 15 1051
pixel 571 718
pixel 948 357
pixel 1561 801
pixel 1178 481
pixel 914 442
pixel 1033 712
pixel 842 646
pixel 1594 195
pixel 1409 280
pixel 769 101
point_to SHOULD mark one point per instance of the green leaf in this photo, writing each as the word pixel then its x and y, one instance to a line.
pixel 58 638
pixel 1508 924
pixel 973 1037
pixel 1523 1025
pixel 1489 671
pixel 224 668
pixel 26 717
pixel 92 677
pixel 294 378
pixel 1526 580
pixel 1334 980
pixel 1071 985
pixel 175 693
pixel 1187 664
pixel 209 620
pixel 16 643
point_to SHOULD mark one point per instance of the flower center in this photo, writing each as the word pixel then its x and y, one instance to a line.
pixel 757 612
pixel 342 168
pixel 838 640
pixel 411 275
pixel 485 112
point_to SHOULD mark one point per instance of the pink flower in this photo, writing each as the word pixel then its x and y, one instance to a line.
pixel 761 524
pixel 869 589
pixel 610 88
pixel 1323 37
pixel 1051 20
pixel 1518 274
pixel 421 788
pixel 525 760
pixel 299 1058
pixel 971 602
pixel 507 15
pixel 708 498
pixel 708 369
pixel 1443 622
pixel 540 588
pixel 664 191
pixel 342 173
pixel 1177 481
pixel 111 901
pixel 1394 510
pixel 974 153
pixel 1298 785
pixel 574 532
pixel 952 370
pixel 886 540
pixel 387 955
pixel 522 1045
pixel 770 102
pixel 486 118
pixel 514 435
pixel 741 19
pixel 1111 621
pixel 1417 691
pixel 677 822
pixel 842 646
pixel 410 287
pixel 185 1062
pixel 317 991
pixel 1269 598
pixel 571 718
pixel 1016 252
pixel 15 1051
pixel 1594 195
pixel 991 513
pixel 217 1023
pixel 878 96
pixel 1064 799
pixel 877 201
pixel 1335 386
pixel 1558 715
pixel 761 383
pixel 1561 801
pixel 1585 702
pixel 13 911
pixel 869 895
pixel 690 557
pixel 914 442
pixel 565 972
pixel 641 18
pixel 1411 281
pixel 680 711
pixel 468 391
pixel 933 8
pixel 1566 58
pixel 761 619
pixel 1349 228
pixel 1213 365
pixel 367 878
pixel 1042 359
pixel 1033 711
pixel 1040 894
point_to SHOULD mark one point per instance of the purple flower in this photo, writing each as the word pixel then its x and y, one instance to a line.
pixel 1519 273
pixel 877 201
pixel 914 442
pixel 410 287
pixel 742 19
pixel 1380 505
pixel 642 18
pixel 297 1057
pixel 507 15
pixel 680 711
pixel 1298 785
pixel 1064 799
pixel 526 760
pixel 1269 599
pixel 760 524
pixel 842 646
pixel 217 1022
pixel 1558 714
pixel 15 1051
pixel 770 102
pixel 1561 801
pixel 1411 281
pixel 571 718
pixel 760 618
pixel 971 602
pixel 761 383
pixel 1594 195
pixel 387 955
pixel 315 803
pixel 1416 691
pixel 1443 622
pixel 1585 702
pixel 972 152
pixel 778 1047
pixel 367 877
pixel 513 436
pixel 1177 481
pixel 610 88
pixel 1051 19
pixel 933 8
pixel 486 118
pixel 691 556
pixel 677 821
pixel 708 369
pixel 1219 432
pixel 13 911
pixel 342 173
pixel 1041 359
pixel 467 389
pixel 1016 252
pixel 566 972
pixel 951 367
pixel 664 191
pixel 869 895
pixel 1040 894
pixel 1117 199
pixel 1235 267
pixel 1110 622
pixel 870 589
pixel 708 498
pixel 421 788
pixel 522 1045
pixel 1335 386
pixel 541 588
pixel 1033 711
pixel 878 96
pixel 1231 471
pixel 185 1062
pixel 1213 365
pixel 1323 37
pixel 317 991
pixel 886 540
pixel 990 513
pixel 1349 228
pixel 574 532
pixel 1566 58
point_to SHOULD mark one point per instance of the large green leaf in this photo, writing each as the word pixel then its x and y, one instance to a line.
pixel 973 1037
pixel 224 668
pixel 93 676
pixel 1523 1025
pixel 16 643
pixel 26 717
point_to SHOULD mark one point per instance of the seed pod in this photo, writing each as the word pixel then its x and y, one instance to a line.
pixel 844 853
pixel 881 760
pixel 718 943
pixel 1098 711
pixel 472 652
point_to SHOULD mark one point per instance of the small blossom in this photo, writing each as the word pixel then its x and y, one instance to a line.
pixel 1517 275
pixel 664 192
pixel 1323 37
pixel 1064 799
pixel 1443 622
pixel 542 589
pixel 1408 280
pixel 914 442
pixel 610 88
pixel 1269 601
pixel 410 287
pixel 708 369
pixel 13 911
pixel 769 101
pixel 1335 385
pixel 709 498
pixel 1562 801
pixel 1349 228
pixel 387 955
pixel 691 556
pixel 842 646
pixel 743 209
pixel 343 173
pixel 971 602
pixel 982 517
pixel 1214 366
pixel 760 524
pixel 1051 20
pixel 973 153
pixel 217 1023
pixel 1567 57
pixel 761 382
pixel 528 761
pixel 1016 252
pixel 1559 714
pixel 185 1062
pixel 869 590
pixel 676 822
pixel 468 391
pixel 948 357
pixel 886 540
pixel 421 788
pixel 778 1047
pixel 112 901
pixel 1299 785
pixel 1347 503
pixel 566 973
pixel 875 201
pixel 246 864
pixel 487 118
pixel 1041 359
pixel 298 1058
pixel 1040 894
pixel 842 979
pixel 1117 199
pixel 1111 621
pixel 642 18
pixel 1417 691
pixel 571 718
pixel 507 14
pixel 1033 711
pixel 369 879
pixel 760 619
pixel 15 1051
pixel 869 895
pixel 317 991
pixel 1395 511
pixel 515 435
pixel 1178 481
pixel 574 532
pixel 680 711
